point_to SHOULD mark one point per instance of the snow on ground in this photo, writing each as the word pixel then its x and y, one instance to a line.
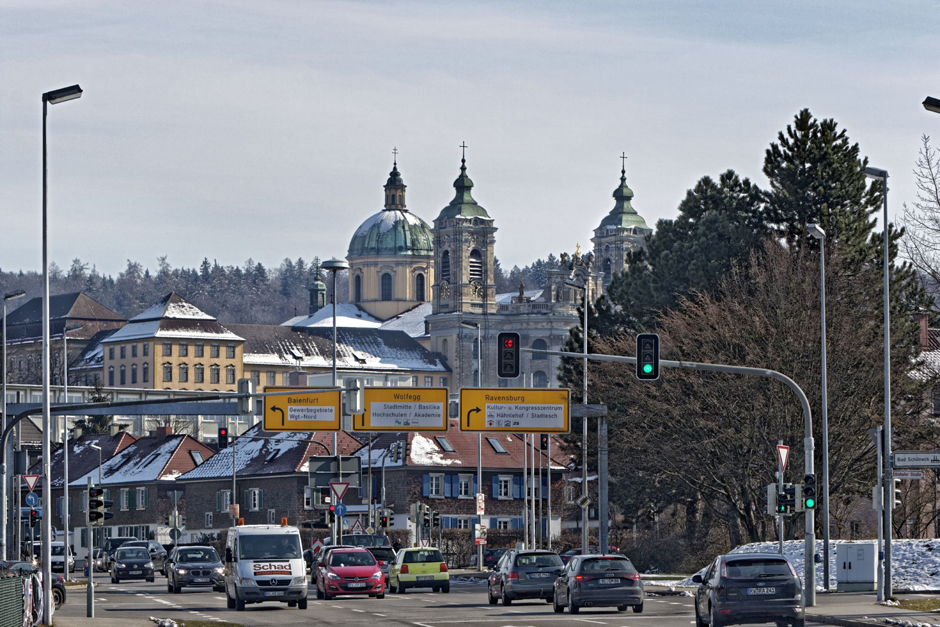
pixel 915 563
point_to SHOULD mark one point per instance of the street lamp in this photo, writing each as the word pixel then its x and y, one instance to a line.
pixel 334 265
pixel 50 97
pixel 3 403
pixel 65 431
pixel 932 104
pixel 586 288
pixel 816 232
pixel 479 328
pixel 882 175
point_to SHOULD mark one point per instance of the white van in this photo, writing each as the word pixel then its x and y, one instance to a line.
pixel 58 556
pixel 264 563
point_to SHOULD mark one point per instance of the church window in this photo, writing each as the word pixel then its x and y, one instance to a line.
pixel 111 375
pixel 539 345
pixel 444 347
pixel 539 379
pixel 476 265
pixel 607 271
pixel 146 372
pixel 445 265
pixel 386 286
pixel 357 288
pixel 123 375
pixel 133 374
pixel 419 288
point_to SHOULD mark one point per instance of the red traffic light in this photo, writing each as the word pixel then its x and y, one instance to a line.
pixel 332 508
pixel 223 431
pixel 508 342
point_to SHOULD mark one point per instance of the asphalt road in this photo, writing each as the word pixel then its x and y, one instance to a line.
pixel 465 604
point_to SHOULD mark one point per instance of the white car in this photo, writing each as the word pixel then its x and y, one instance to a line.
pixel 58 556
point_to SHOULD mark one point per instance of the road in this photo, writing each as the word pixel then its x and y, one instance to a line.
pixel 465 604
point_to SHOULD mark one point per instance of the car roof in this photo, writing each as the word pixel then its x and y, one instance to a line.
pixel 421 548
pixel 352 549
pixel 753 556
pixel 606 556
pixel 264 529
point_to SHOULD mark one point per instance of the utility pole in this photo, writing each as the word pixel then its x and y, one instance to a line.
pixel 779 493
pixel 90 587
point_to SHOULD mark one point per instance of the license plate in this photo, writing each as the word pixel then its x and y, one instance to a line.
pixel 357 585
pixel 201 580
pixel 135 572
pixel 279 593
pixel 761 590
pixel 610 581
pixel 425 577
pixel 538 575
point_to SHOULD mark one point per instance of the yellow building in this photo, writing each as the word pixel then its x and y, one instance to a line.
pixel 173 345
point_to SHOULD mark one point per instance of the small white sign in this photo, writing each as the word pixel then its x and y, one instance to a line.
pixel 357 527
pixel 311 412
pixel 783 452
pixel 909 475
pixel 31 481
pixel 584 502
pixel 509 415
pixel 916 459
pixel 481 503
pixel 339 489
pixel 414 415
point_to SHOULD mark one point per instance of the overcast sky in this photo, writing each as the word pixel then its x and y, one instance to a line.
pixel 254 128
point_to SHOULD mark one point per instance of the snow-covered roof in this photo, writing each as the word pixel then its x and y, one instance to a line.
pixel 347 315
pixel 147 459
pixel 172 318
pixel 172 306
pixel 411 321
pixel 357 348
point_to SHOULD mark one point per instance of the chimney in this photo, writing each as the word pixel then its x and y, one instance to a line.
pixel 115 428
pixel 76 432
pixel 921 320
pixel 164 432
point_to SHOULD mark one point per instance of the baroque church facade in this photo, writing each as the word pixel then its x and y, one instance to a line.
pixel 438 281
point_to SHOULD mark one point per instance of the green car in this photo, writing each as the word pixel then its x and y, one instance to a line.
pixel 419 568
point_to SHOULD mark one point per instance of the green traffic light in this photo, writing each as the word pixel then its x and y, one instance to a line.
pixel 648 368
pixel 810 503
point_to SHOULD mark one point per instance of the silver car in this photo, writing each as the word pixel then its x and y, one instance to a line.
pixel 523 575
pixel 384 555
pixel 598 581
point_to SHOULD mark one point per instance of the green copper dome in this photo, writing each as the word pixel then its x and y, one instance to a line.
pixel 392 232
pixel 623 215
pixel 463 204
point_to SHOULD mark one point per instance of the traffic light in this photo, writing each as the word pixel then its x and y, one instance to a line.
pixel 33 517
pixel 772 498
pixel 426 516
pixel 786 501
pixel 895 493
pixel 809 492
pixel 404 448
pixel 508 361
pixel 435 519
pixel 96 506
pixel 383 521
pixel 223 438
pixel 245 386
pixel 332 513
pixel 543 442
pixel 647 356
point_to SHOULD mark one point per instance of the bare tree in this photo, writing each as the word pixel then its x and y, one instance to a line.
pixel 922 217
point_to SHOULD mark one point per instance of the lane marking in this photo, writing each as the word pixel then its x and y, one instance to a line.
pixel 360 611
pixel 375 614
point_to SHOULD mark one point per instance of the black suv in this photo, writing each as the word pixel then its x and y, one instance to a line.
pixel 749 588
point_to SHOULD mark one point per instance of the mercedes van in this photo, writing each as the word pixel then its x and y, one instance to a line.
pixel 264 563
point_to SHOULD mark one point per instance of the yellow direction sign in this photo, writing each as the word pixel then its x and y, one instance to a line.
pixel 302 410
pixel 402 409
pixel 517 410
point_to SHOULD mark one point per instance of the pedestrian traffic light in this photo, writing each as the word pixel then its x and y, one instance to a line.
pixel 223 438
pixel 895 493
pixel 435 519
pixel 809 492
pixel 543 442
pixel 647 356
pixel 508 361
pixel 33 517
pixel 383 521
pixel 786 501
pixel 772 498
pixel 426 516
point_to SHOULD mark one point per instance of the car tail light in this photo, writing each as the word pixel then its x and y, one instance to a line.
pixel 404 569
pixel 381 563
pixel 584 577
pixel 634 576
pixel 514 575
pixel 443 567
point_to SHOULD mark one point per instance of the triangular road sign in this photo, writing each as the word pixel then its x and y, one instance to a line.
pixel 31 481
pixel 784 453
pixel 339 489
pixel 357 527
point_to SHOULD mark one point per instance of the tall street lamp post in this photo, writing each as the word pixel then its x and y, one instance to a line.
pixel 50 97
pixel 479 382
pixel 817 233
pixel 4 499
pixel 882 175
pixel 334 265
pixel 65 433
pixel 586 288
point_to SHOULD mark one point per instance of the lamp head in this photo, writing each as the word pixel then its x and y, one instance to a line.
pixel 96 447
pixel 876 173
pixel 470 325
pixel 14 295
pixel 61 95
pixel 932 104
pixel 815 231
pixel 72 327
pixel 574 284
pixel 335 265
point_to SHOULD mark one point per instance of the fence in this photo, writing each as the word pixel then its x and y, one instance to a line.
pixel 11 602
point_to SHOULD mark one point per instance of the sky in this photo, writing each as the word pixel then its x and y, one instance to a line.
pixel 236 129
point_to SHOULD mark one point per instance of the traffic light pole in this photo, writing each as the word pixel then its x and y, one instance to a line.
pixel 809 548
pixel 90 587
pixel 779 492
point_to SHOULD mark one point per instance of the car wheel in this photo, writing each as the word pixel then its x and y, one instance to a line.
pixel 239 604
pixel 446 588
pixel 622 608
pixel 799 622
pixel 381 595
pixel 493 600
pixel 229 601
pixel 177 588
pixel 169 587
pixel 115 580
pixel 698 619
pixel 302 604
pixel 713 619
pixel 150 579
pixel 637 609
pixel 573 607
pixel 319 593
pixel 58 597
pixel 506 600
pixel 558 608
pixel 435 588
pixel 400 589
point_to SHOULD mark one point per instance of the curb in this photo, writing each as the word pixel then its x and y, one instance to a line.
pixel 843 622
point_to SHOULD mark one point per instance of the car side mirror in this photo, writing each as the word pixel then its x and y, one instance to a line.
pixel 696 579
pixel 228 556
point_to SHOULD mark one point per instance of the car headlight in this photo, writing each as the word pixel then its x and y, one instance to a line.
pixel 181 571
pixel 120 565
pixel 219 570
pixel 246 581
pixel 148 565
pixel 332 576
pixel 377 575
pixel 299 581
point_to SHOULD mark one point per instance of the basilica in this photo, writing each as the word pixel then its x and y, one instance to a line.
pixel 437 283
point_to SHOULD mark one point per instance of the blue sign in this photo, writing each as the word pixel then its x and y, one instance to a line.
pixel 341 509
pixel 32 499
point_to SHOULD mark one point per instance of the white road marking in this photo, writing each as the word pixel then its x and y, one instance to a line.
pixel 587 620
pixel 360 611
pixel 382 615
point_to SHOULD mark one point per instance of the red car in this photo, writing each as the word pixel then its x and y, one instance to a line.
pixel 349 571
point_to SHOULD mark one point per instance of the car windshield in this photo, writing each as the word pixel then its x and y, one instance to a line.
pixel 366 540
pixel 99 552
pixel 422 556
pixel 608 564
pixel 384 553
pixel 114 543
pixel 133 553
pixel 757 568
pixel 197 556
pixel 537 560
pixel 351 558
pixel 269 546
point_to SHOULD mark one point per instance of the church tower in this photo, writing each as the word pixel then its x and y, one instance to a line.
pixel 621 232
pixel 464 241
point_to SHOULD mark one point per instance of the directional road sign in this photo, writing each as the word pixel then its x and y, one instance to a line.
pixel 32 499
pixel 302 411
pixel 340 510
pixel 907 475
pixel 401 409
pixel 909 459
pixel 515 410
pixel 30 481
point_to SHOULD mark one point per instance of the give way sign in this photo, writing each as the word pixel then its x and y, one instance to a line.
pixel 783 452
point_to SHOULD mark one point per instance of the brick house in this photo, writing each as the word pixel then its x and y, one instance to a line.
pixel 271 480
pixel 441 471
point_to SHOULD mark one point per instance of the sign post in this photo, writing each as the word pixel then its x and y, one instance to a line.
pixel 783 454
pixel 515 410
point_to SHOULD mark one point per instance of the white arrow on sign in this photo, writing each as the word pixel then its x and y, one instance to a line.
pixel 784 453
pixel 339 489
pixel 31 481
